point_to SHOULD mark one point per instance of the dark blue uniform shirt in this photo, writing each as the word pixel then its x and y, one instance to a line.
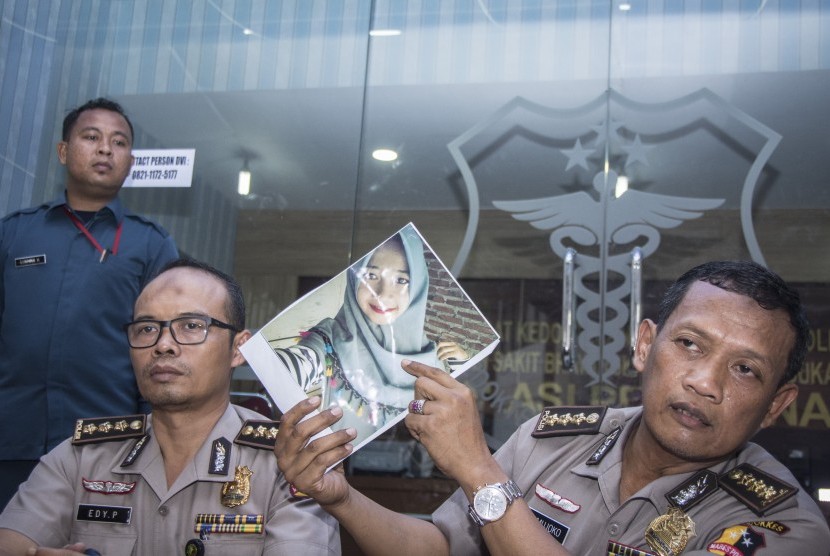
pixel 63 352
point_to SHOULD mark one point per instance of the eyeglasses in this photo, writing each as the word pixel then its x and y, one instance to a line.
pixel 187 331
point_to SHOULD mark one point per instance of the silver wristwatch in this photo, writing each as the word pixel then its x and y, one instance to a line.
pixel 490 502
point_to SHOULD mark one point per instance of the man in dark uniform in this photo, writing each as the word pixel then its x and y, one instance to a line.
pixel 677 475
pixel 198 475
pixel 71 271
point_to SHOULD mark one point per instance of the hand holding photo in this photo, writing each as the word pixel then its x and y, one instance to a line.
pixel 397 302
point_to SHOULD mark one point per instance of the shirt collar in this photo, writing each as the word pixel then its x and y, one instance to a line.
pixel 608 476
pixel 114 207
pixel 150 465
pixel 225 431
pixel 624 418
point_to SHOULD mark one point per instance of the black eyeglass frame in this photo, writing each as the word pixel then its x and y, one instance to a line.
pixel 162 324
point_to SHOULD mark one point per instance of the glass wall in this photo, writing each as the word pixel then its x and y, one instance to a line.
pixel 632 139
pixel 589 148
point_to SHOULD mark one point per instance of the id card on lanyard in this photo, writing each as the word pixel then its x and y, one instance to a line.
pixel 104 251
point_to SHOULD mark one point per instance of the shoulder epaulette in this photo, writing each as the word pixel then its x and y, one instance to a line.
pixel 757 490
pixel 25 210
pixel 258 434
pixel 145 220
pixel 107 429
pixel 561 421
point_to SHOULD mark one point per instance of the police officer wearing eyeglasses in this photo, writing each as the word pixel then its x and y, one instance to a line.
pixel 197 475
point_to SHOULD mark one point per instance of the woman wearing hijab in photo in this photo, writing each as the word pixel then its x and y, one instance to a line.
pixel 354 359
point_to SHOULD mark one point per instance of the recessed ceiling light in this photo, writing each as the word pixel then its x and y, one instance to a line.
pixel 243 186
pixel 384 32
pixel 247 31
pixel 625 6
pixel 384 155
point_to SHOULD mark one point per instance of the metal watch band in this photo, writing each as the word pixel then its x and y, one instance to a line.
pixel 509 488
pixel 475 517
pixel 512 490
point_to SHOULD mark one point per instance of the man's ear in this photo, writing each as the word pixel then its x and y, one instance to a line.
pixel 238 340
pixel 646 334
pixel 786 394
pixel 62 146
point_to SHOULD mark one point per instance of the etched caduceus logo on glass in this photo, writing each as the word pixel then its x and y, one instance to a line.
pixel 606 160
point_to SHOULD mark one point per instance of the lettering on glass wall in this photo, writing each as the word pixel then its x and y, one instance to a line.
pixel 525 372
pixel 161 168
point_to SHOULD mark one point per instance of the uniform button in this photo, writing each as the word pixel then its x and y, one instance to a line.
pixel 614 528
pixel 163 511
pixel 614 423
pixel 194 547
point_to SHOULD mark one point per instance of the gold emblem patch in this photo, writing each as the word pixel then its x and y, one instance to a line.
pixel 668 534
pixel 236 492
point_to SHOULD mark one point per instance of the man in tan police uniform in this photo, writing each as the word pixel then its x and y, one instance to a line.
pixel 568 482
pixel 676 476
pixel 195 477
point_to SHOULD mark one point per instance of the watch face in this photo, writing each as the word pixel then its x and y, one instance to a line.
pixel 490 503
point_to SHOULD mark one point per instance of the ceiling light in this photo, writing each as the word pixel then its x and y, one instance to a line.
pixel 384 32
pixel 244 185
pixel 625 6
pixel 621 186
pixel 247 31
pixel 385 155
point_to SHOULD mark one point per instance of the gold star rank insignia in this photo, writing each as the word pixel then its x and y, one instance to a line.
pixel 756 489
pixel 258 434
pixel 105 429
pixel 561 421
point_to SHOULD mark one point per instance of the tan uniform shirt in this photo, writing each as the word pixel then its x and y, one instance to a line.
pixel 58 504
pixel 587 513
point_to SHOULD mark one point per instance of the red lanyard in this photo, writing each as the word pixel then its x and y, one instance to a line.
pixel 80 225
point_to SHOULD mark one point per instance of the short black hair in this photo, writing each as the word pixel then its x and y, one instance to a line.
pixel 755 281
pixel 235 304
pixel 96 103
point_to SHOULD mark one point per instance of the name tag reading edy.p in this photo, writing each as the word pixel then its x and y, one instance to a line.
pixel 104 514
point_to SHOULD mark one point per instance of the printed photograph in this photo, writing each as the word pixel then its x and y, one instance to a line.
pixel 345 340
